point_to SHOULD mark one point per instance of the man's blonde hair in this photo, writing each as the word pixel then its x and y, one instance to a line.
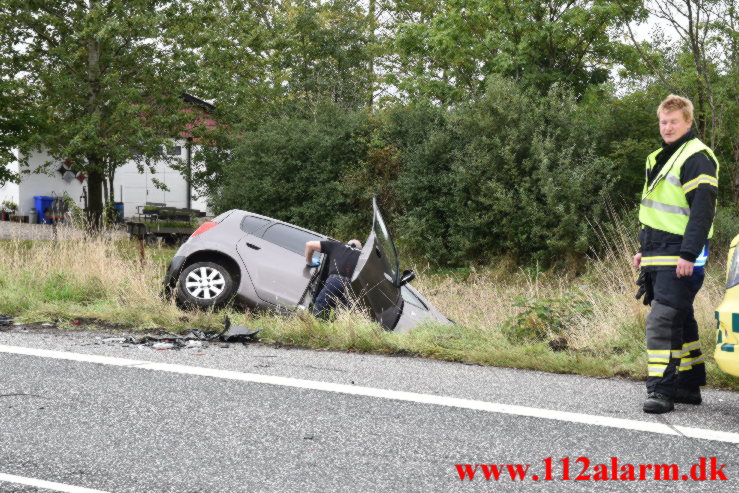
pixel 673 103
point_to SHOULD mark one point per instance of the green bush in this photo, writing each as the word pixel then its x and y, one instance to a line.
pixel 545 320
pixel 293 168
pixel 512 173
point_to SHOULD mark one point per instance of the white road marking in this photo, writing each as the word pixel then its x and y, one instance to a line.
pixel 493 407
pixel 40 483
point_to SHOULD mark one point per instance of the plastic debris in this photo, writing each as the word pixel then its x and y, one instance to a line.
pixel 194 339
pixel 115 339
pixel 163 345
pixel 6 320
pixel 237 333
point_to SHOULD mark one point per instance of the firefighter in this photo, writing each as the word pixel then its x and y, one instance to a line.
pixel 676 215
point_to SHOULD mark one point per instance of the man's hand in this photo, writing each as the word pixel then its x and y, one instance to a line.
pixel 315 263
pixel 684 268
pixel 310 247
pixel 637 260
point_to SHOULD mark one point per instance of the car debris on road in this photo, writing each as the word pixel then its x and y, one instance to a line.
pixel 191 339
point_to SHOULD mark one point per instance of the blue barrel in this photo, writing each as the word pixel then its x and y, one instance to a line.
pixel 118 206
pixel 42 203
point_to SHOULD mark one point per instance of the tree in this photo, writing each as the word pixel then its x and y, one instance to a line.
pixel 17 123
pixel 263 61
pixel 100 75
pixel 696 55
pixel 447 48
pixel 264 58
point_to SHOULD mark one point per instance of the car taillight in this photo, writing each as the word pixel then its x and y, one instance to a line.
pixel 203 228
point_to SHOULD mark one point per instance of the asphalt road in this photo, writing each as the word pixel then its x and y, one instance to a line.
pixel 138 429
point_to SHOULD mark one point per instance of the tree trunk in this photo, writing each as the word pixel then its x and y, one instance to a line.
pixel 95 175
pixel 734 173
pixel 111 184
pixel 105 191
pixel 94 195
pixel 372 15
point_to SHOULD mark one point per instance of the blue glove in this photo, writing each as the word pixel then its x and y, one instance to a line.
pixel 315 263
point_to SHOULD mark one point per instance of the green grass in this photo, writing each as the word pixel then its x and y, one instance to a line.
pixel 104 282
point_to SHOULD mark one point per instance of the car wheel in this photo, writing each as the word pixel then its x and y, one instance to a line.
pixel 205 285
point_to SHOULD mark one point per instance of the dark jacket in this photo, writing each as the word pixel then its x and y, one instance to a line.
pixel 702 201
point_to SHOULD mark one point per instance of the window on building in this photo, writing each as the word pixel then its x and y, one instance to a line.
pixel 174 150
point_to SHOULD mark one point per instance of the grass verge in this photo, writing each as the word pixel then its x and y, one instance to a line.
pixel 522 318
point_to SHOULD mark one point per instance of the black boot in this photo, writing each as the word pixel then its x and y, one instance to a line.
pixel 690 395
pixel 657 403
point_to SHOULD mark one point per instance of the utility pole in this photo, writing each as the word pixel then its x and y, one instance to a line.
pixel 188 146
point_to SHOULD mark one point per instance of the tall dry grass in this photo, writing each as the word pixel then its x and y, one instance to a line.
pixel 103 277
pixel 613 328
pixel 78 275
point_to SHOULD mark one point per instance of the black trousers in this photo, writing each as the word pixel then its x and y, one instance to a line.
pixel 674 356
pixel 332 294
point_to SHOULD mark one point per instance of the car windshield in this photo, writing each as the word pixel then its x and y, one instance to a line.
pixel 411 298
pixel 385 243
pixel 732 279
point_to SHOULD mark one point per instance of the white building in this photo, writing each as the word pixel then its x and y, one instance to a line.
pixel 131 187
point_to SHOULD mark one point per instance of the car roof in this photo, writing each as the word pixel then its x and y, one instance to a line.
pixel 249 213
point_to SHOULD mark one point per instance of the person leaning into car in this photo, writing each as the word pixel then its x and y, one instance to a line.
pixel 676 215
pixel 342 259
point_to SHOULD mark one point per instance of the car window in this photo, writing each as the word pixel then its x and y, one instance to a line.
pixel 410 297
pixel 251 224
pixel 289 238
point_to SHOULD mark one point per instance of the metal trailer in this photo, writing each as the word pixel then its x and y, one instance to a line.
pixel 154 223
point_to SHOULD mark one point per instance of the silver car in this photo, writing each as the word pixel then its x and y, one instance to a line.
pixel 259 262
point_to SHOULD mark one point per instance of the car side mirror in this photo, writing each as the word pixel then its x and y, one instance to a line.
pixel 408 276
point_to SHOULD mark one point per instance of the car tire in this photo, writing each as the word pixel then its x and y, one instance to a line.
pixel 205 285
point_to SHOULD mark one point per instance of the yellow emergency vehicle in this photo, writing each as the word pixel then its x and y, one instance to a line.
pixel 727 317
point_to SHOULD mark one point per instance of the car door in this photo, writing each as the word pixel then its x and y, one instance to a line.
pixel 376 277
pixel 274 258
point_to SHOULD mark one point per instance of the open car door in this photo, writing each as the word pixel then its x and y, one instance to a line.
pixel 376 277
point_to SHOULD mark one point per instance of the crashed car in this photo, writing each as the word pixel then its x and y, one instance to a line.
pixel 259 262
pixel 727 317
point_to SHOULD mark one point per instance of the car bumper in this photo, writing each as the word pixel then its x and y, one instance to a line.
pixel 727 333
pixel 173 270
